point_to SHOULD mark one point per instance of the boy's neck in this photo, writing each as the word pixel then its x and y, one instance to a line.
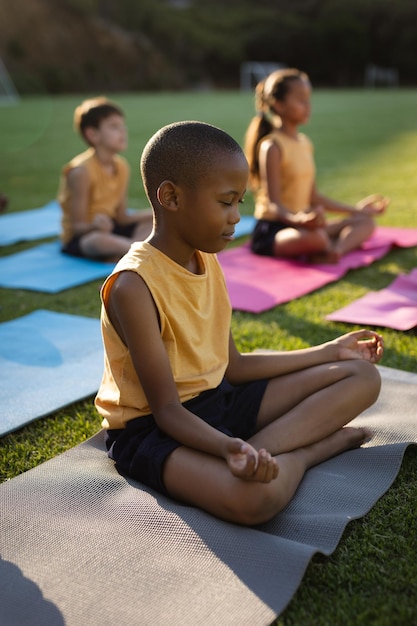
pixel 188 259
pixel 104 156
pixel 106 160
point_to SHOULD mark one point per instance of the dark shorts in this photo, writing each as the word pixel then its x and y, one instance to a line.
pixel 73 247
pixel 263 236
pixel 141 448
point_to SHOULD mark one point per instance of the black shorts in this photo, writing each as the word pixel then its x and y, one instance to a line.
pixel 73 247
pixel 141 448
pixel 263 236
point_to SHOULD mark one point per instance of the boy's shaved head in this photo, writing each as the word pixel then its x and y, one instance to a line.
pixel 182 152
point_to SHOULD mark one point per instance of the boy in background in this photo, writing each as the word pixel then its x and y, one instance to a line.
pixel 93 187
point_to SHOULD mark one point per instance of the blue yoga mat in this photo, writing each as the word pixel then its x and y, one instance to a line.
pixel 47 360
pixel 245 226
pixel 30 225
pixel 46 222
pixel 44 268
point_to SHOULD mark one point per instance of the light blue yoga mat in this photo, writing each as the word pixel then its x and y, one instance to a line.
pixel 46 222
pixel 245 226
pixel 47 360
pixel 30 225
pixel 45 268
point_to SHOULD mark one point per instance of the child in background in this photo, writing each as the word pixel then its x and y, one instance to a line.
pixel 94 185
pixel 290 211
pixel 185 412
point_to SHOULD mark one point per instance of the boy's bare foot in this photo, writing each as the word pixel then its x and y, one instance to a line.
pixel 344 439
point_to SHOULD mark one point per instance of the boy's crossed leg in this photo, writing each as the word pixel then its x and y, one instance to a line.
pixel 307 429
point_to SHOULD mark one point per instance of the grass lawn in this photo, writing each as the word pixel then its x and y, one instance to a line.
pixel 365 141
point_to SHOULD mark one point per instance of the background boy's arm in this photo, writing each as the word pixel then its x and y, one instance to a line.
pixel 124 217
pixel 134 217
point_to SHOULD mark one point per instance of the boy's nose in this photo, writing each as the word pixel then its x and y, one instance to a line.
pixel 234 216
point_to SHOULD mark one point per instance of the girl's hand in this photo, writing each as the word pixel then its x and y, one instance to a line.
pixel 373 205
pixel 360 344
pixel 249 464
pixel 311 218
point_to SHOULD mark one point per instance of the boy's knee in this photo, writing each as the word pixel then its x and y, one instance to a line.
pixel 369 377
pixel 257 507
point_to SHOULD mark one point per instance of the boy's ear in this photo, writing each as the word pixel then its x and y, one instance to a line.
pixel 90 134
pixel 167 195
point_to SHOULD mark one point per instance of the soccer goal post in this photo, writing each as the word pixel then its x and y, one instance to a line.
pixel 8 92
pixel 251 72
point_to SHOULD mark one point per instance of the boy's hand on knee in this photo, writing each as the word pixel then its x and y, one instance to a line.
pixel 249 464
pixel 360 344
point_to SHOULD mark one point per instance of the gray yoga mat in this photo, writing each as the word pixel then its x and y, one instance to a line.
pixel 80 544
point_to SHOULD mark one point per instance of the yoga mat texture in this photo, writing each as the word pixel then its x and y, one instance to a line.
pixel 81 544
pixel 45 268
pixel 47 360
pixel 392 307
pixel 30 225
pixel 257 283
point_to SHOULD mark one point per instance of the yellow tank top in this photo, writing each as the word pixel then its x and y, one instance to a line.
pixel 195 315
pixel 106 191
pixel 297 175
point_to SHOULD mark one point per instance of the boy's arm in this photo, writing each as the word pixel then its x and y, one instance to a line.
pixel 132 312
pixel 79 184
pixel 360 344
pixel 124 217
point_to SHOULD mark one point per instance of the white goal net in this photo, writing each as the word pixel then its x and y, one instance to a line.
pixel 251 72
pixel 8 92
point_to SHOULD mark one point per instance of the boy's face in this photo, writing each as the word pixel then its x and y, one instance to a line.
pixel 110 135
pixel 209 211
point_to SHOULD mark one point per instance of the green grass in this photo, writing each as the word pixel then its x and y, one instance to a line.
pixel 364 142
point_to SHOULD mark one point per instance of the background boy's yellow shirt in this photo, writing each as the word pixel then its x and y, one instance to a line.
pixel 195 315
pixel 106 191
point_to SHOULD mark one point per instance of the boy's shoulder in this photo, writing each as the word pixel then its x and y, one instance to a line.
pixel 81 159
pixel 88 159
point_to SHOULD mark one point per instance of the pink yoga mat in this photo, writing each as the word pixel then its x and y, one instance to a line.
pixel 393 307
pixel 258 283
